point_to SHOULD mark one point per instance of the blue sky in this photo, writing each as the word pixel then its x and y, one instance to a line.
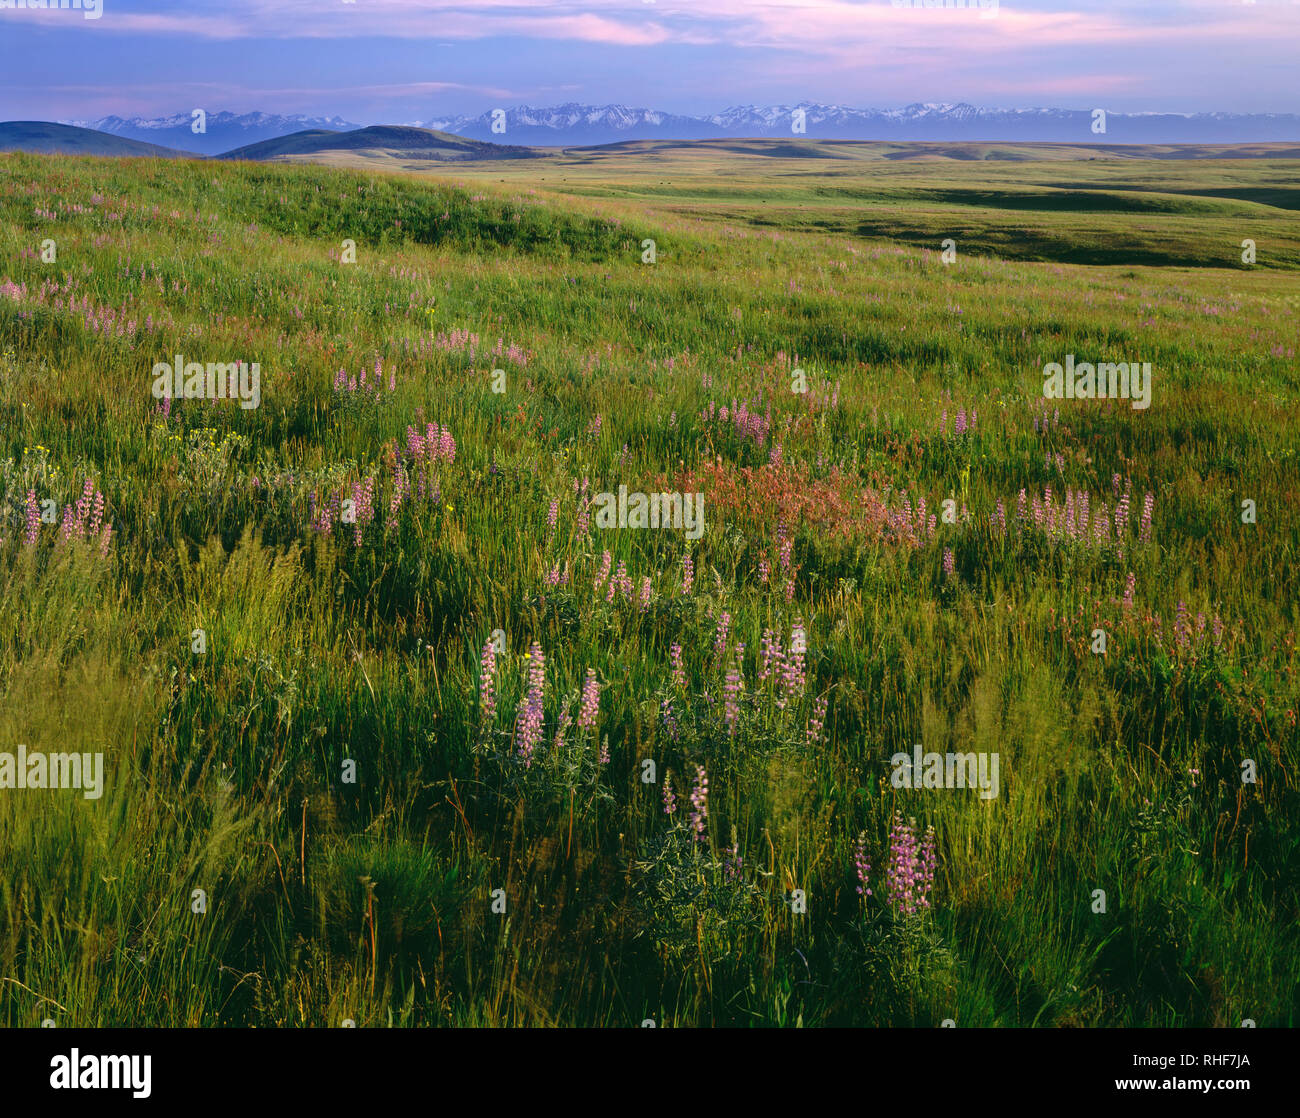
pixel 404 60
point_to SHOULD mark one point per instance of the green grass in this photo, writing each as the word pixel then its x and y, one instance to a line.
pixel 324 658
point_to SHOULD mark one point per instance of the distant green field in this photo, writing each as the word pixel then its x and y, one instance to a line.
pixel 1039 202
pixel 324 800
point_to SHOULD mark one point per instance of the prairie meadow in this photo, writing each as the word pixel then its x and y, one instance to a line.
pixel 650 588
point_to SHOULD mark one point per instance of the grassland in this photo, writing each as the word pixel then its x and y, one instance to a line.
pixel 326 642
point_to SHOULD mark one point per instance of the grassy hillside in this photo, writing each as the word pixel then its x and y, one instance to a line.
pixel 378 143
pixel 65 139
pixel 296 709
pixel 1039 202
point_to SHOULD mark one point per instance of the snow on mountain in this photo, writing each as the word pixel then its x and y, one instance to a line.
pixel 575 125
pixel 223 130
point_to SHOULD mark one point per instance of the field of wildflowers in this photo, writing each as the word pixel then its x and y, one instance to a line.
pixel 395 731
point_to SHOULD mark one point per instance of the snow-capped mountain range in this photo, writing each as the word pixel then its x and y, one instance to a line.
pixel 224 131
pixel 575 125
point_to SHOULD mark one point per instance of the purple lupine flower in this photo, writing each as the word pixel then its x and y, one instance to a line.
pixel 552 516
pixel 401 488
pixel 731 706
pixel 363 497
pixel 322 519
pixel 675 658
pixel 700 804
pixel 669 719
pixel 901 875
pixel 584 509
pixel 670 799
pixel 590 701
pixel 643 599
pixel 863 867
pixel 528 724
pixel 688 573
pixel 720 637
pixel 487 684
pixel 817 720
pixel 911 868
pixel 1101 527
pixel 792 670
pixel 83 508
pixel 621 582
pixel 1148 506
pixel 733 864
pixel 784 546
pixel 928 863
pixel 605 561
pixel 1130 584
pixel 949 563
pixel 770 646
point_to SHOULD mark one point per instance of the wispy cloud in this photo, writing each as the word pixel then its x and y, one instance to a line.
pixel 830 26
pixel 682 55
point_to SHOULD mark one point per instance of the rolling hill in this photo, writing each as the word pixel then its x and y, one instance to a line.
pixel 384 142
pixel 42 137
pixel 222 132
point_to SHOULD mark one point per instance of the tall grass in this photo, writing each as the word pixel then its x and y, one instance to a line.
pixel 322 770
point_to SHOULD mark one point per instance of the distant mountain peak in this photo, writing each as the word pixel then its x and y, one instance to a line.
pixel 223 129
pixel 575 124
